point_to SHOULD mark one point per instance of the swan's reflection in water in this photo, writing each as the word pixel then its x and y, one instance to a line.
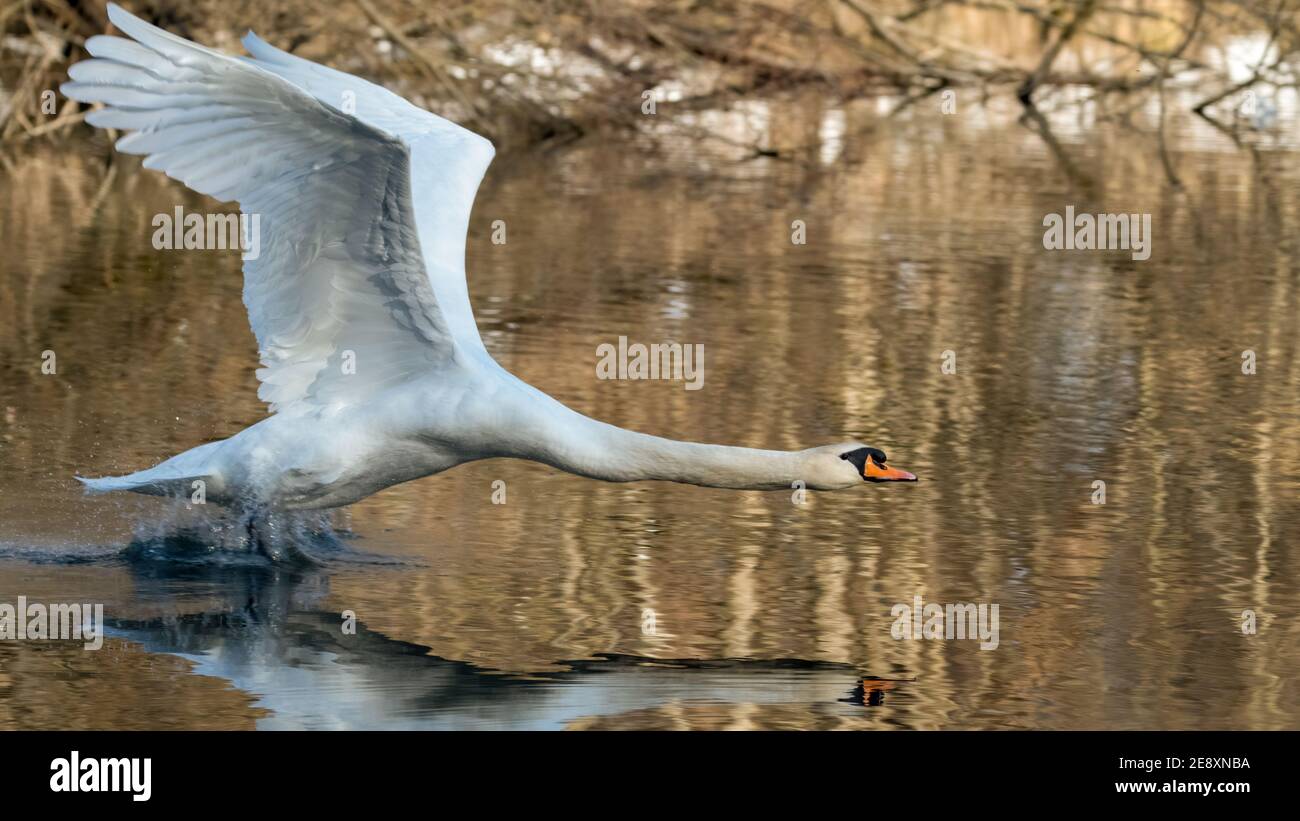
pixel 313 668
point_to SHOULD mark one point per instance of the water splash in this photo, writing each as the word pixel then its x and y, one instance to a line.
pixel 207 534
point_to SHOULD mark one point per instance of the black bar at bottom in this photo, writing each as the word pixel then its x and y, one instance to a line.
pixel 302 769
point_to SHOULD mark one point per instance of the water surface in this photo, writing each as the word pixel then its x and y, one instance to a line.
pixel 579 604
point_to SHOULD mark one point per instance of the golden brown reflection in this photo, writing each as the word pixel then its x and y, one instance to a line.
pixel 924 236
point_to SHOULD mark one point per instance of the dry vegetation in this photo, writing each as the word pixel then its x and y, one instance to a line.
pixel 527 71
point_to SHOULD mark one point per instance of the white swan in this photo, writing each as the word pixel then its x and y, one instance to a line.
pixel 364 202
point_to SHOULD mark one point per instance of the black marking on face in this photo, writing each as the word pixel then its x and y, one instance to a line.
pixel 858 458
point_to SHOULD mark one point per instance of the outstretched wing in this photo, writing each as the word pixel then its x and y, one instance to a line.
pixel 362 201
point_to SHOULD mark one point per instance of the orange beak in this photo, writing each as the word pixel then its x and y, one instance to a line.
pixel 874 471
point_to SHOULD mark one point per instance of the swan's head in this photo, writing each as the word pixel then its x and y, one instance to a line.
pixel 841 466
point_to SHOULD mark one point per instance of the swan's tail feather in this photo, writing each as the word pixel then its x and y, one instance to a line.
pixel 140 482
pixel 177 475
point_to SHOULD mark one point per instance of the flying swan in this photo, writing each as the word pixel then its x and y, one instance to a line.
pixel 364 203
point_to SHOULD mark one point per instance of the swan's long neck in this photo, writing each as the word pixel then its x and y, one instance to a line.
pixel 619 455
pixel 563 438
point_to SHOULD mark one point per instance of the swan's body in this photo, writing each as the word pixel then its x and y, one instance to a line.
pixel 372 363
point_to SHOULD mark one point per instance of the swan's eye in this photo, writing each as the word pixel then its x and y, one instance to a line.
pixel 860 456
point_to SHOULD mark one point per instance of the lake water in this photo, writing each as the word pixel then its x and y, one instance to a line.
pixel 584 605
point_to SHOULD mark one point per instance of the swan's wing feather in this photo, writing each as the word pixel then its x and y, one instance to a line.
pixel 358 284
pixel 447 164
pixel 371 103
